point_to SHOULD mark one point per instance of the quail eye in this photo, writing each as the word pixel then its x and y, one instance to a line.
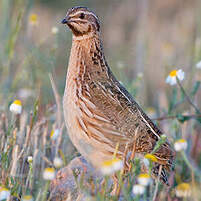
pixel 81 16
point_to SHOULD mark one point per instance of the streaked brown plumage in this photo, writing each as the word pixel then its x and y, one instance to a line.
pixel 99 112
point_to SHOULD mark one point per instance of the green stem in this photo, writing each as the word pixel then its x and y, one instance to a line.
pixel 175 116
pixel 44 194
pixel 150 166
pixel 187 97
pixel 105 188
pixel 125 193
pixel 193 169
pixel 159 143
pixel 137 198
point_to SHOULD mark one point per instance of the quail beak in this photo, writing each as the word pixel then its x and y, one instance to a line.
pixel 64 21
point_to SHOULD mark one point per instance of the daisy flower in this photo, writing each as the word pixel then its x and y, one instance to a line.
pixel 4 193
pixel 173 75
pixel 33 19
pixel 138 189
pixel 144 179
pixel 140 75
pixel 149 158
pixel 198 65
pixel 111 166
pixel 183 190
pixel 30 159
pixel 54 134
pixel 58 162
pixel 27 198
pixel 49 174
pixel 16 107
pixel 120 64
pixel 54 30
pixel 180 145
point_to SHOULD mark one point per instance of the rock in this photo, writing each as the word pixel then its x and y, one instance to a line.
pixel 70 180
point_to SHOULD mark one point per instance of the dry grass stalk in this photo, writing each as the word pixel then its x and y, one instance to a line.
pixel 13 170
pixel 44 142
pixel 58 101
pixel 134 148
pixel 59 140
pixel 157 183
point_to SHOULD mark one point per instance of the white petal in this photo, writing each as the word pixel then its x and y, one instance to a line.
pixel 184 145
pixel 4 194
pixel 179 146
pixel 138 189
pixel 16 109
pixel 55 30
pixel 55 134
pixel 118 165
pixel 146 162
pixel 144 181
pixel 180 74
pixel 107 170
pixel 48 175
pixel 58 162
pixel 168 79
pixel 173 81
pixel 181 193
pixel 198 65
pixel 30 159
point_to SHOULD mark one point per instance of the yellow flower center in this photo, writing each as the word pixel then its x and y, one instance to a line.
pixel 110 162
pixel 52 133
pixel 144 176
pixel 183 187
pixel 33 18
pixel 181 141
pixel 17 102
pixel 151 157
pixel 173 73
pixel 27 197
pixel 3 189
pixel 168 46
pixel 49 170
